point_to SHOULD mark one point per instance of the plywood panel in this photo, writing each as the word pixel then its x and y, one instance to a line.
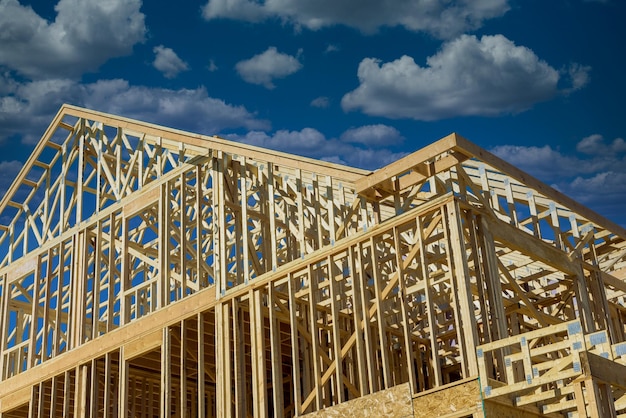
pixel 392 403
pixel 453 400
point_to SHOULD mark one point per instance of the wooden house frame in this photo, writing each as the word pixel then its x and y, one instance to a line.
pixel 147 272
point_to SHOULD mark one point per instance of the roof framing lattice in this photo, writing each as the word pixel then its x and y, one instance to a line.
pixel 124 243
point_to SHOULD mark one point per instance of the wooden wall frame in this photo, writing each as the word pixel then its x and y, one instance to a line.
pixel 146 271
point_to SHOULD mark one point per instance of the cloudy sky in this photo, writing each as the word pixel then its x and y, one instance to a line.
pixel 361 82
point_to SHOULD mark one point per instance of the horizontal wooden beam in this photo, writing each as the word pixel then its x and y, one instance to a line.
pixel 531 246
pixel 128 334
pixel 382 176
pixel 15 399
pixel 603 369
pixel 142 345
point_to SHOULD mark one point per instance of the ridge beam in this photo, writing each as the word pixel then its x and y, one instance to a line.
pixel 412 169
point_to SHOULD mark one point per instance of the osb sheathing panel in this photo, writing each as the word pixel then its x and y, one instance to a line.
pixel 454 400
pixel 394 403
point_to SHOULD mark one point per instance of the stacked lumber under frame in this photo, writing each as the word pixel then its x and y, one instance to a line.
pixel 151 272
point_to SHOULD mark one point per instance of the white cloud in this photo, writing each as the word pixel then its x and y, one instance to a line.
pixel 331 48
pixel 372 159
pixel 235 9
pixel 441 18
pixel 594 145
pixel 578 76
pixel 594 175
pixel 373 135
pixel 321 102
pixel 312 143
pixel 467 77
pixel 265 67
pixel 307 141
pixel 84 34
pixel 29 107
pixel 32 105
pixel 605 192
pixel 542 162
pixel 167 62
pixel 7 83
pixel 212 66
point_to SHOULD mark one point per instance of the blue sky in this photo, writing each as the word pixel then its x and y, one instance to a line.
pixel 361 82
